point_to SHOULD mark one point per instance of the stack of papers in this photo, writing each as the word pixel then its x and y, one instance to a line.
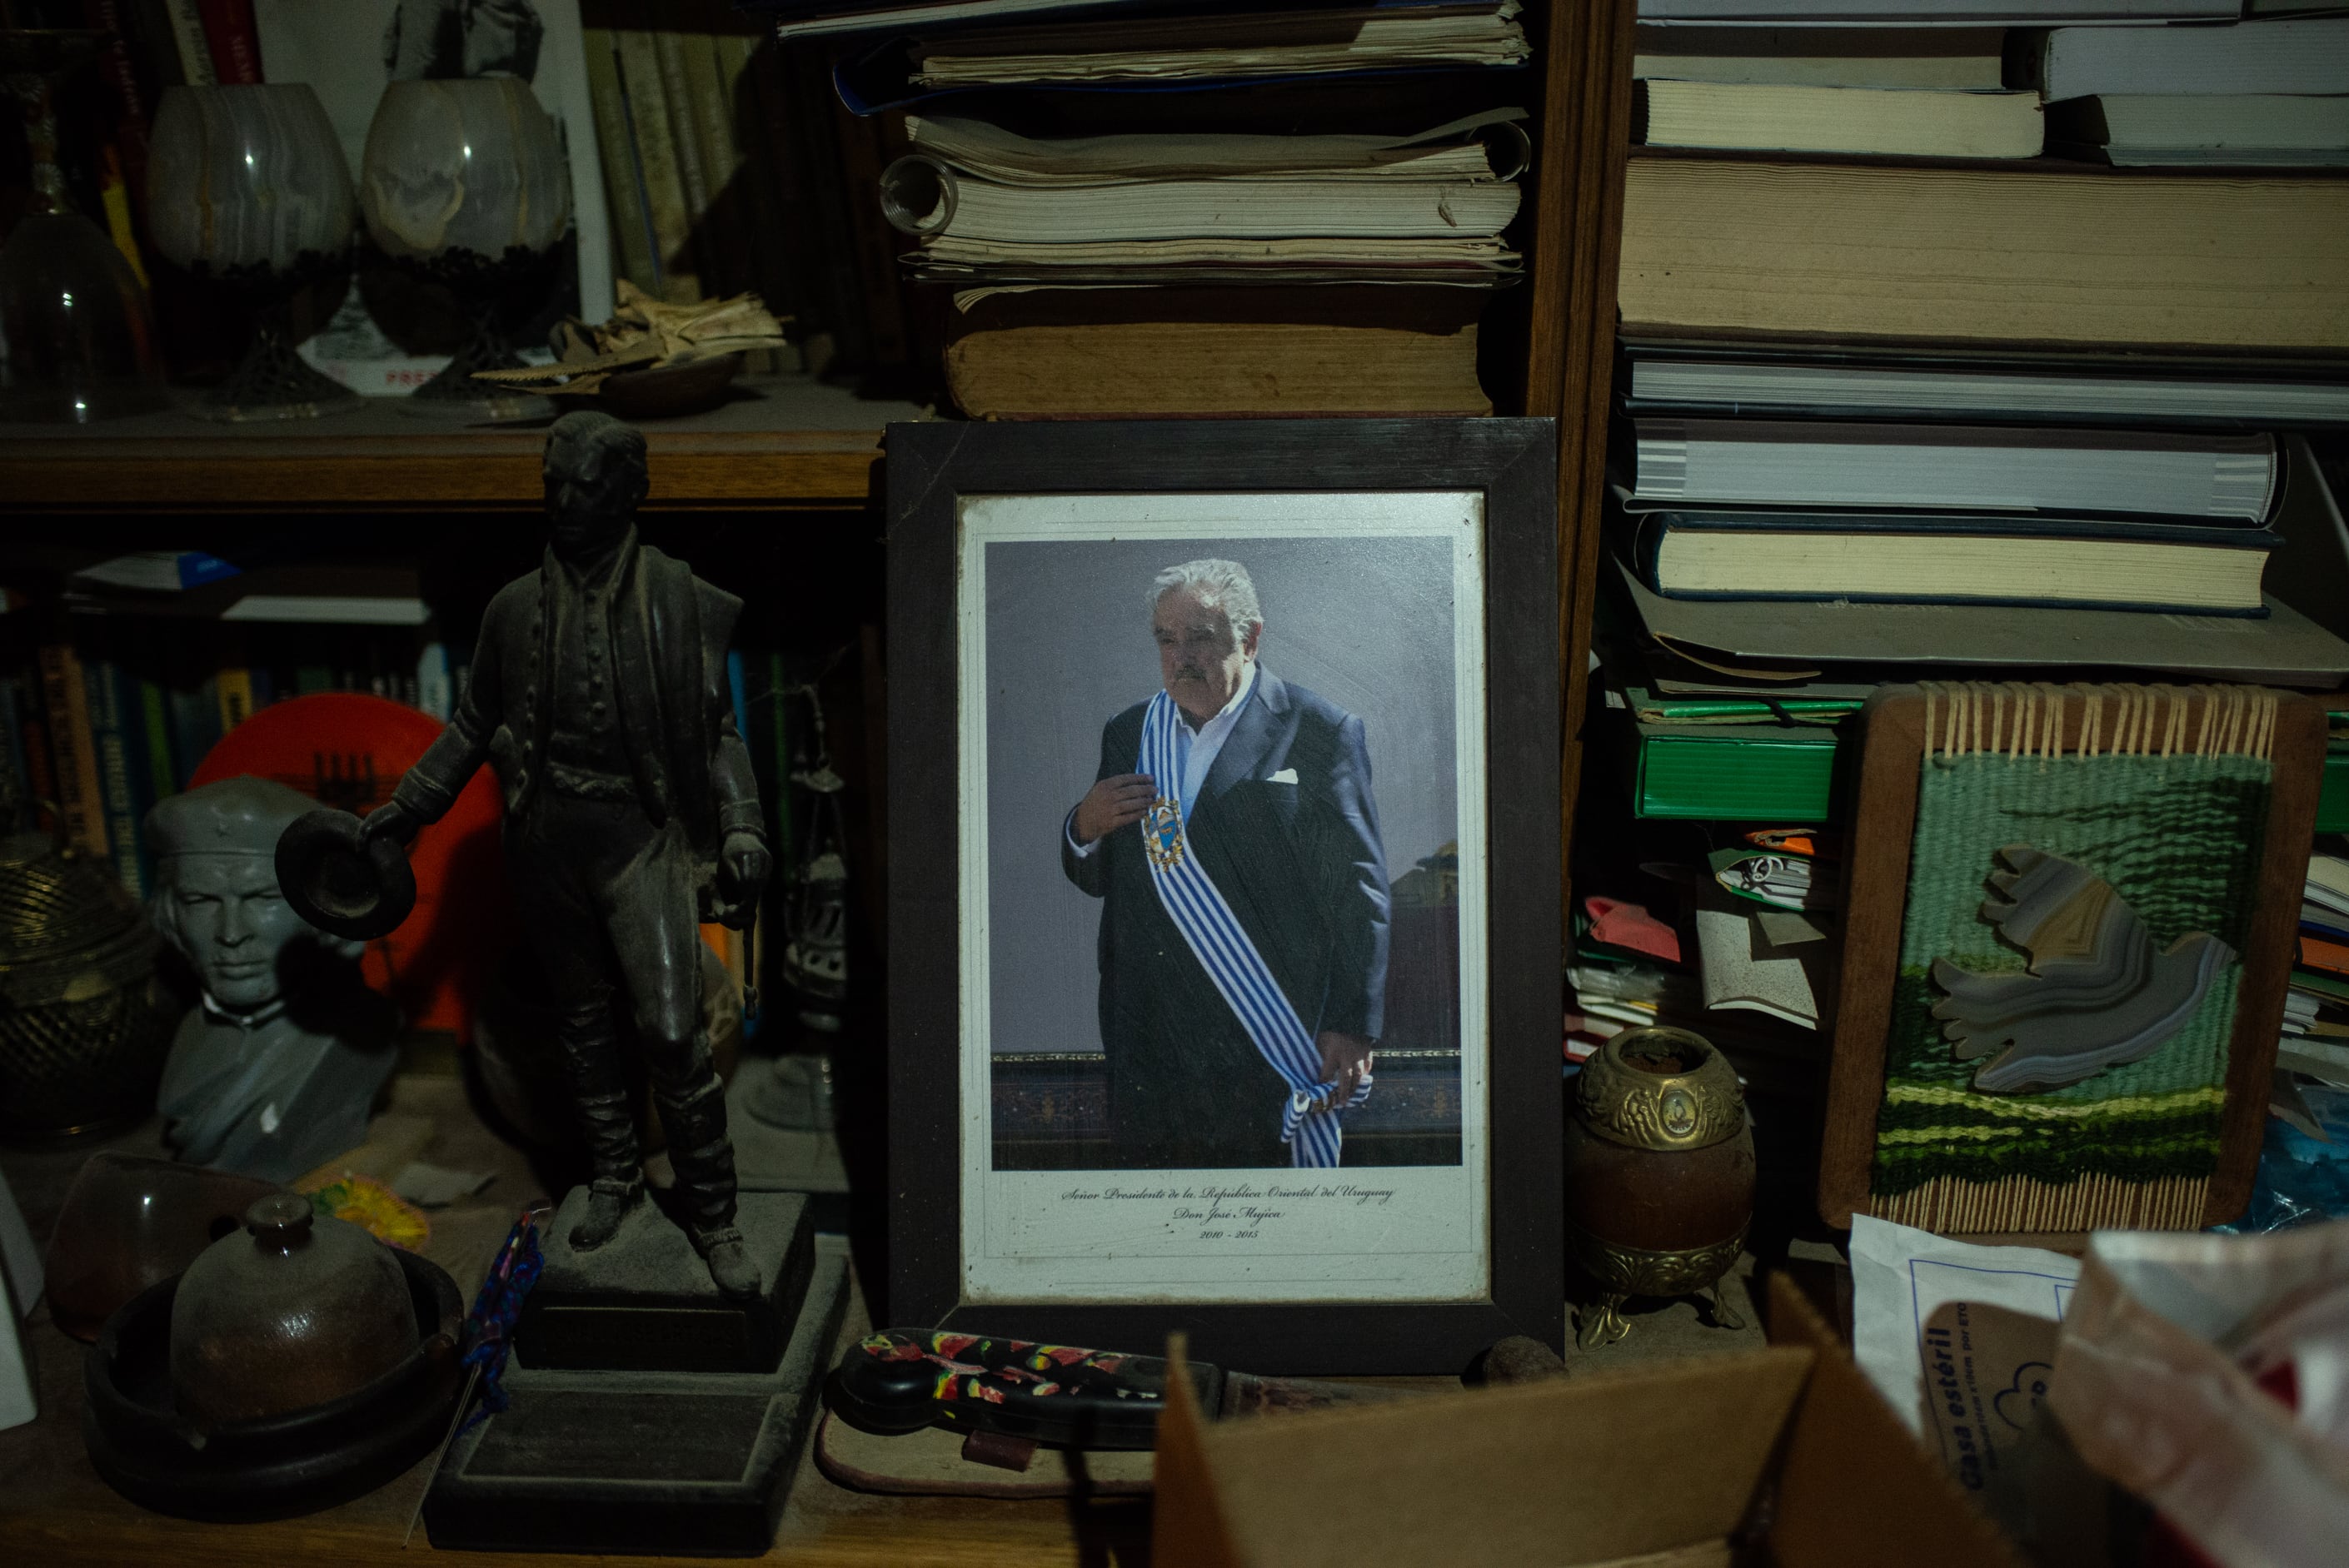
pixel 2315 1032
pixel 1190 48
pixel 989 207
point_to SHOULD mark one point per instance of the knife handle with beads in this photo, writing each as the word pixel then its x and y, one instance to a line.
pixel 900 1380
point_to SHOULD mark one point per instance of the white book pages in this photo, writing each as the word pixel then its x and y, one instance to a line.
pixel 1241 44
pixel 2300 54
pixel 926 197
pixel 1321 252
pixel 1946 58
pixel 2282 647
pixel 1933 13
pixel 1888 122
pixel 1797 388
pixel 1452 151
pixel 1744 969
pixel 2225 121
pixel 2328 882
pixel 1955 468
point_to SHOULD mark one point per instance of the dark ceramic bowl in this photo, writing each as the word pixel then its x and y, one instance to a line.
pixel 689 387
pixel 295 1463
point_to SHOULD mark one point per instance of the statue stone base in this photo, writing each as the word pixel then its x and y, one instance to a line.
pixel 648 1463
pixel 643 1303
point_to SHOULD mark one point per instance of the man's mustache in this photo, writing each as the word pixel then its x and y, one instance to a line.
pixel 1189 673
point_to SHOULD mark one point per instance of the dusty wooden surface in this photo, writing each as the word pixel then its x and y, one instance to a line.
pixel 54 1509
pixel 782 440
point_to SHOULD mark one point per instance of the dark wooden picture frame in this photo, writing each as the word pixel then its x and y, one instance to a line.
pixel 1513 463
pixel 1876 889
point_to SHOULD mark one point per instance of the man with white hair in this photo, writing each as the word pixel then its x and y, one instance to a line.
pixel 1232 835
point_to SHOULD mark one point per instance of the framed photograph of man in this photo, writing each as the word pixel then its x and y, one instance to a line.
pixel 1223 876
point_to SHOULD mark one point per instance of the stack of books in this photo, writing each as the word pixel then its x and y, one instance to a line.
pixel 728 165
pixel 2316 1012
pixel 2269 92
pixel 1982 247
pixel 1902 395
pixel 1291 211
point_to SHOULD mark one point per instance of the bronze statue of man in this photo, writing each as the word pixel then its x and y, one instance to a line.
pixel 598 694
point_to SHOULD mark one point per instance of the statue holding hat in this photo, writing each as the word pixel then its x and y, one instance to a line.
pixel 276 1069
pixel 598 698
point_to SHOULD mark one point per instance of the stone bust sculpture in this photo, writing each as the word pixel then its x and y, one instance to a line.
pixel 275 1071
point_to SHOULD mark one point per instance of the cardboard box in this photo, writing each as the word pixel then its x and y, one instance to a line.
pixel 1658 1465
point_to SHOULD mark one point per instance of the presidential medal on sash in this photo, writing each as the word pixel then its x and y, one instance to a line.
pixel 1162 834
pixel 1309 1122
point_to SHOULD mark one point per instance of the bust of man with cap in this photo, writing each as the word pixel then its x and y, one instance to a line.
pixel 275 1071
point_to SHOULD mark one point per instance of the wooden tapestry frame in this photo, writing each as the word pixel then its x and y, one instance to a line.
pixel 1877 856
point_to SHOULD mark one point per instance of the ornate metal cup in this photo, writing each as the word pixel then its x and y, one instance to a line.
pixel 1659 1174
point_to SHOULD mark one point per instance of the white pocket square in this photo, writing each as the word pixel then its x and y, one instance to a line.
pixel 1286 776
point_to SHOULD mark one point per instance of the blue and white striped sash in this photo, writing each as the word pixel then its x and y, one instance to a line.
pixel 1221 946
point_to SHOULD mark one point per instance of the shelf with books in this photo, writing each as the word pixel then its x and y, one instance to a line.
pixel 1840 257
pixel 1761 772
pixel 785 441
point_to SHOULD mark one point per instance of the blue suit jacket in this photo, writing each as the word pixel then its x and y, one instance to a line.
pixel 1299 863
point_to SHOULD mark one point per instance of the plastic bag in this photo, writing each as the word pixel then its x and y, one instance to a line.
pixel 2302 1181
pixel 2181 1362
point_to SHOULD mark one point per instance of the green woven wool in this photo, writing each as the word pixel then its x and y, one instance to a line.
pixel 2179 838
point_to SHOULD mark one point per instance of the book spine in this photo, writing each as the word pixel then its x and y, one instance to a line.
pixel 162 777
pixel 40 761
pixel 195 726
pixel 186 19
pixel 140 762
pixel 779 702
pixel 756 195
pixel 677 97
pixel 78 794
pixel 435 692
pixel 664 186
pixel 16 783
pixel 232 40
pixel 876 241
pixel 132 122
pixel 616 145
pixel 103 689
pixel 114 199
pixel 808 95
pixel 797 266
pixel 158 44
pixel 723 218
pixel 234 686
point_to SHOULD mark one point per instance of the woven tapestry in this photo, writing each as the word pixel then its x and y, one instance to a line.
pixel 2069 954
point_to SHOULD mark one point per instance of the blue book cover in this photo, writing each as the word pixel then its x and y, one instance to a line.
pixel 112 700
pixel 195 727
pixel 19 779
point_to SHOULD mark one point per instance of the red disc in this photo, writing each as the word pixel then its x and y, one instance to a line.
pixel 349 749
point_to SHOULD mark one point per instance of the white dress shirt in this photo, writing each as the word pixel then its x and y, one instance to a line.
pixel 1196 747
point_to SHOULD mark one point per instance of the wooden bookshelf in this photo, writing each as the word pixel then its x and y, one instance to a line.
pixel 1576 193
pixel 782 442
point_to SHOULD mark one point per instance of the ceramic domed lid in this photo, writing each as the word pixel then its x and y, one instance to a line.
pixel 290 1312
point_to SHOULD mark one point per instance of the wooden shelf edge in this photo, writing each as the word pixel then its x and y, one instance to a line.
pixel 85 482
